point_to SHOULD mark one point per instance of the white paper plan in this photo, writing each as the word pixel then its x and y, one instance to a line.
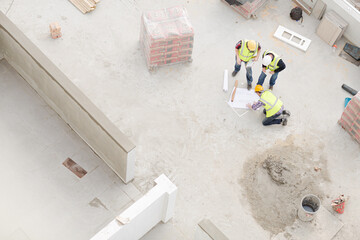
pixel 243 97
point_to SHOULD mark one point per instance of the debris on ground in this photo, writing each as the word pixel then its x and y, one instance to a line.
pixel 339 204
pixel 275 169
pixel 55 30
pixel 85 6
pixel 274 181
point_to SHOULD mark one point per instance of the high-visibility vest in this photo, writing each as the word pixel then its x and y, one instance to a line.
pixel 272 103
pixel 274 63
pixel 244 53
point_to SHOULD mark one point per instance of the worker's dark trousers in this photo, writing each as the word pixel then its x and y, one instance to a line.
pixel 263 76
pixel 272 120
pixel 249 77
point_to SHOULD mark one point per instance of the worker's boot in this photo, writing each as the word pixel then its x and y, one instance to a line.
pixel 249 87
pixel 286 112
pixel 234 73
pixel 271 88
pixel 284 121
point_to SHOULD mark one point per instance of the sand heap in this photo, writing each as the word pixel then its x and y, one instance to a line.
pixel 276 180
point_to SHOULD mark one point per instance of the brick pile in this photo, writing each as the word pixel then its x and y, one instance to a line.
pixel 166 36
pixel 55 30
pixel 350 119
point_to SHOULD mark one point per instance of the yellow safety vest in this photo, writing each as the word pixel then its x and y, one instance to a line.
pixel 273 65
pixel 244 53
pixel 272 103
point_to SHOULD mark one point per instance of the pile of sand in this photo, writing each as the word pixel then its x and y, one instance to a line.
pixel 276 180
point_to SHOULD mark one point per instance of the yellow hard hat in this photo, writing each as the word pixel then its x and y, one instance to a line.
pixel 251 44
pixel 259 88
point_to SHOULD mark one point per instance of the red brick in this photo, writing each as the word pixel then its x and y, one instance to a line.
pixel 185 52
pixel 354 107
pixel 171 55
pixel 55 30
pixel 357 121
pixel 186 45
pixel 357 137
pixel 347 117
pixel 54 27
pixel 171 60
pixel 187 39
pixel 356 126
pixel 184 59
pixel 166 36
pixel 344 124
pixel 348 125
pixel 350 113
pixel 161 49
pixel 354 133
pixel 356 100
pixel 155 58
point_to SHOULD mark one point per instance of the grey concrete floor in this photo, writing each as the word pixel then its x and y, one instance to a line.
pixel 40 198
pixel 177 116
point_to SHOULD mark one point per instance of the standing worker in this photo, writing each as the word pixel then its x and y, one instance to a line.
pixel 273 107
pixel 246 50
pixel 272 62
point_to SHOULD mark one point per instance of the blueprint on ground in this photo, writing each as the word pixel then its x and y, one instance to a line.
pixel 243 97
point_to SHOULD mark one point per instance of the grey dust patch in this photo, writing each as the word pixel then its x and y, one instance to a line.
pixel 275 180
pixel 97 203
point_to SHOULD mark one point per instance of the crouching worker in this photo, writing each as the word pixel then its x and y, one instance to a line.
pixel 273 107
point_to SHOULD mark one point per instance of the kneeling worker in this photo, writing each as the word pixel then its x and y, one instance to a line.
pixel 273 107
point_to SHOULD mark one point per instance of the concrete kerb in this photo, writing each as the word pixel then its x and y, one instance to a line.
pixel 67 100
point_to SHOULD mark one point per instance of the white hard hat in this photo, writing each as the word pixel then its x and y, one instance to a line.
pixel 266 60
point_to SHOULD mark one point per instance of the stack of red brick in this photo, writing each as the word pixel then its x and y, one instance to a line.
pixel 350 119
pixel 166 36
pixel 55 30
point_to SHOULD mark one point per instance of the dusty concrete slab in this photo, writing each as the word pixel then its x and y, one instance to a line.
pixel 177 116
pixel 213 231
pixel 324 226
pixel 164 231
pixel 201 234
pixel 19 235
pixel 42 197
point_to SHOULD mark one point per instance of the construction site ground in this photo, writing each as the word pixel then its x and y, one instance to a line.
pixel 182 126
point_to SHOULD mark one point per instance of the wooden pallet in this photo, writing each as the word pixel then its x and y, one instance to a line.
pixel 85 6
pixel 247 10
pixel 306 8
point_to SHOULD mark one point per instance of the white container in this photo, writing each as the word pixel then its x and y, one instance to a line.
pixel 309 206
pixel 226 81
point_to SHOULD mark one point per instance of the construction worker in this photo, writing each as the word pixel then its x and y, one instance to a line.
pixel 273 107
pixel 272 62
pixel 246 51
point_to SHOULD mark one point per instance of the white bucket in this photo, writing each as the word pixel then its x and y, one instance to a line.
pixel 309 206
